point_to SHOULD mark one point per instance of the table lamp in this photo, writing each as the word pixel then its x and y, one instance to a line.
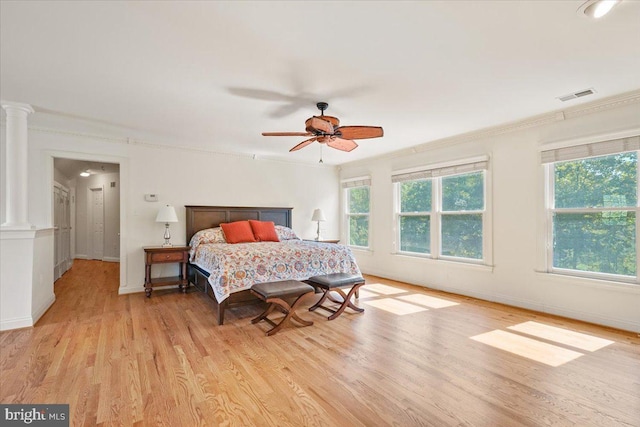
pixel 318 216
pixel 167 214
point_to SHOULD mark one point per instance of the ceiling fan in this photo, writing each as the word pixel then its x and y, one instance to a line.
pixel 327 130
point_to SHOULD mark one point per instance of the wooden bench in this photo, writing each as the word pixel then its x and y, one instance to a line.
pixel 275 294
pixel 333 283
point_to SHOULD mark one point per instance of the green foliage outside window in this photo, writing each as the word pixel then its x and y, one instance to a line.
pixel 603 241
pixel 463 192
pixel 608 181
pixel 358 202
pixel 415 230
pixel 359 231
pixel 415 196
pixel 592 242
pixel 462 235
pixel 415 234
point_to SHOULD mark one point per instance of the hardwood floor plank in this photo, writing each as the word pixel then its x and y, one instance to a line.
pixel 409 360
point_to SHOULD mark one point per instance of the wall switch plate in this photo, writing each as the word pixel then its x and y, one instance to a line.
pixel 151 197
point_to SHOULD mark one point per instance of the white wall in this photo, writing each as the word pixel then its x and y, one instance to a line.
pixel 42 295
pixel 26 287
pixel 180 177
pixel 518 222
pixel 60 178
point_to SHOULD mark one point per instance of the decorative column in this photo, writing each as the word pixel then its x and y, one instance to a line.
pixel 17 202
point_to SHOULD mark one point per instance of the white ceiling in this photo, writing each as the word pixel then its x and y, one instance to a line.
pixel 214 75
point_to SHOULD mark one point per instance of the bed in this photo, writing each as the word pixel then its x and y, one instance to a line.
pixel 227 271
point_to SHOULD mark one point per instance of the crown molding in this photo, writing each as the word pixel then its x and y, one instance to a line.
pixel 608 103
pixel 156 145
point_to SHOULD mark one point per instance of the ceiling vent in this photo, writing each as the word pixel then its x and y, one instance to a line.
pixel 578 94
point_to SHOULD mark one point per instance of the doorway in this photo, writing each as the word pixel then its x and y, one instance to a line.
pixel 93 190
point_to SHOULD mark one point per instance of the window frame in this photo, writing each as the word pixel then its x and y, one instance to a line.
pixel 441 213
pixel 347 215
pixel 399 214
pixel 437 213
pixel 551 211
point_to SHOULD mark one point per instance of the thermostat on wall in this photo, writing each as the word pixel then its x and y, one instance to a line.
pixel 151 197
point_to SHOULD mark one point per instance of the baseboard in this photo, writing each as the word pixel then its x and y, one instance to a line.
pixel 43 308
pixel 591 318
pixel 526 304
pixel 106 259
pixel 16 323
pixel 124 290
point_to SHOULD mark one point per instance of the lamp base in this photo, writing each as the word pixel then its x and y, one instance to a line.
pixel 167 237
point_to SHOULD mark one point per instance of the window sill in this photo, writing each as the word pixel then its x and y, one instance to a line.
pixel 360 249
pixel 629 287
pixel 477 266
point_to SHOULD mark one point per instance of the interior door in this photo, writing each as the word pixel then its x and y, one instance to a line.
pixel 62 229
pixel 65 230
pixel 97 223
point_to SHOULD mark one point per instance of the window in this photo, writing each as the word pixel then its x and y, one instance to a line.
pixel 462 212
pixel 593 209
pixel 441 211
pixel 414 218
pixel 358 203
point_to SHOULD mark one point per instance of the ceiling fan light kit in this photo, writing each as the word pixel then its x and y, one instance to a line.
pixel 596 9
pixel 327 130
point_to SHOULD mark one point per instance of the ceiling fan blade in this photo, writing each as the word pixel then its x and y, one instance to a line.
pixel 286 134
pixel 342 144
pixel 288 108
pixel 317 124
pixel 265 95
pixel 304 143
pixel 360 132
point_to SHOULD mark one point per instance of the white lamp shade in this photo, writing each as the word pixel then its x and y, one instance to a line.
pixel 318 215
pixel 167 214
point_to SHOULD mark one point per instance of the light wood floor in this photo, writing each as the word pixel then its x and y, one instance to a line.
pixel 409 360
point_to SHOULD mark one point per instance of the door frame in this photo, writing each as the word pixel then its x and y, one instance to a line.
pixel 123 162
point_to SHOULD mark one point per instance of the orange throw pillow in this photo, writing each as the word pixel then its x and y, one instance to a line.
pixel 238 232
pixel 264 231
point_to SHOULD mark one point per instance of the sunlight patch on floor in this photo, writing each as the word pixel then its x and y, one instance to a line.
pixel 427 301
pixel 394 306
pixel 539 351
pixel 366 294
pixel 379 288
pixel 562 336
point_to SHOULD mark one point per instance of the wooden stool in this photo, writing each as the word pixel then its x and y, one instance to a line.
pixel 333 282
pixel 274 293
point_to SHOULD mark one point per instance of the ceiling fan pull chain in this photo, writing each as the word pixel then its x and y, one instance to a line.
pixel 320 154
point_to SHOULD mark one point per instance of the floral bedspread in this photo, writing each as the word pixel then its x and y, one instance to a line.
pixel 236 267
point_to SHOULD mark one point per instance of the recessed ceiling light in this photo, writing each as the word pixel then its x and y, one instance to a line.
pixel 85 173
pixel 597 8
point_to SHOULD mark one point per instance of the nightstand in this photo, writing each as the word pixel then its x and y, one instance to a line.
pixel 162 255
pixel 323 240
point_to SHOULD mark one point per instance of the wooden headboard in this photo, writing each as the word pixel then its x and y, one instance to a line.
pixel 202 217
